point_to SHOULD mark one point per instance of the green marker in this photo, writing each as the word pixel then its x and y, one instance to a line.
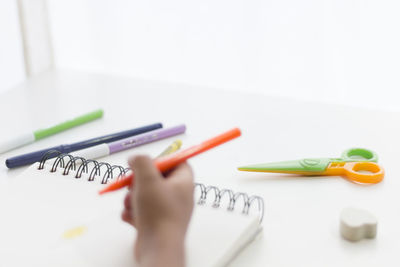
pixel 27 138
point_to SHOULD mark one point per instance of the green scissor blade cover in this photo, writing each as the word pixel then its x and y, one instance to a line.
pixel 303 165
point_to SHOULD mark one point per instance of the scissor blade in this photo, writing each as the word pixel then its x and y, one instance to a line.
pixel 304 166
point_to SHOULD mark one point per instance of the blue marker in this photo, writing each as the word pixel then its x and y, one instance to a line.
pixel 33 157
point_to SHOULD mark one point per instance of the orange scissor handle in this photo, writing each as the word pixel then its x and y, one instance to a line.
pixel 361 172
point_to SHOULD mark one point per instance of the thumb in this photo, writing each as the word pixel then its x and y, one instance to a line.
pixel 144 170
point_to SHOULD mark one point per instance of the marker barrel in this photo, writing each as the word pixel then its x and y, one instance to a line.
pixel 145 138
pixel 35 156
pixel 166 163
pixel 42 133
pixel 17 141
pixel 94 152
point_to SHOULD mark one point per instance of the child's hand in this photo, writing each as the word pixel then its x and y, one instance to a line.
pixel 160 209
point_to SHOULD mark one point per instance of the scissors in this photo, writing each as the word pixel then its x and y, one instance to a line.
pixel 357 164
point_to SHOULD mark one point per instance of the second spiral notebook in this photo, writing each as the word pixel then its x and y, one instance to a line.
pixel 53 216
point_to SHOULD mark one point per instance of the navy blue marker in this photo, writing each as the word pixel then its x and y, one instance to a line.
pixel 36 156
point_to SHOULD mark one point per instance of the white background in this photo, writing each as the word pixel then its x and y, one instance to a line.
pixel 343 51
pixel 12 69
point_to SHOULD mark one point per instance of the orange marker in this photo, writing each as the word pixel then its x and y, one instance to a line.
pixel 166 163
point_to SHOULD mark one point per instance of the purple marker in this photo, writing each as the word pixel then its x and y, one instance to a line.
pixel 130 142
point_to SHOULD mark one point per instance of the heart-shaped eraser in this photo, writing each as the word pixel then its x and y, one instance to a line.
pixel 356 224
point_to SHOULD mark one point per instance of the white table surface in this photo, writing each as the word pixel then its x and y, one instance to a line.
pixel 301 225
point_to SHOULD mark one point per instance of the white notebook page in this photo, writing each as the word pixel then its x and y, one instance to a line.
pixel 56 220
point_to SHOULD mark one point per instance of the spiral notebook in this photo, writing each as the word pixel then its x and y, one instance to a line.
pixel 52 216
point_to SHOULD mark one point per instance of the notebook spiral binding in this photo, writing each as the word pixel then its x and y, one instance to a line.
pixel 81 165
pixel 220 194
pixel 70 163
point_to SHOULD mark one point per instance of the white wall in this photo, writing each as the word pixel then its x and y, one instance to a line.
pixel 12 70
pixel 335 50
